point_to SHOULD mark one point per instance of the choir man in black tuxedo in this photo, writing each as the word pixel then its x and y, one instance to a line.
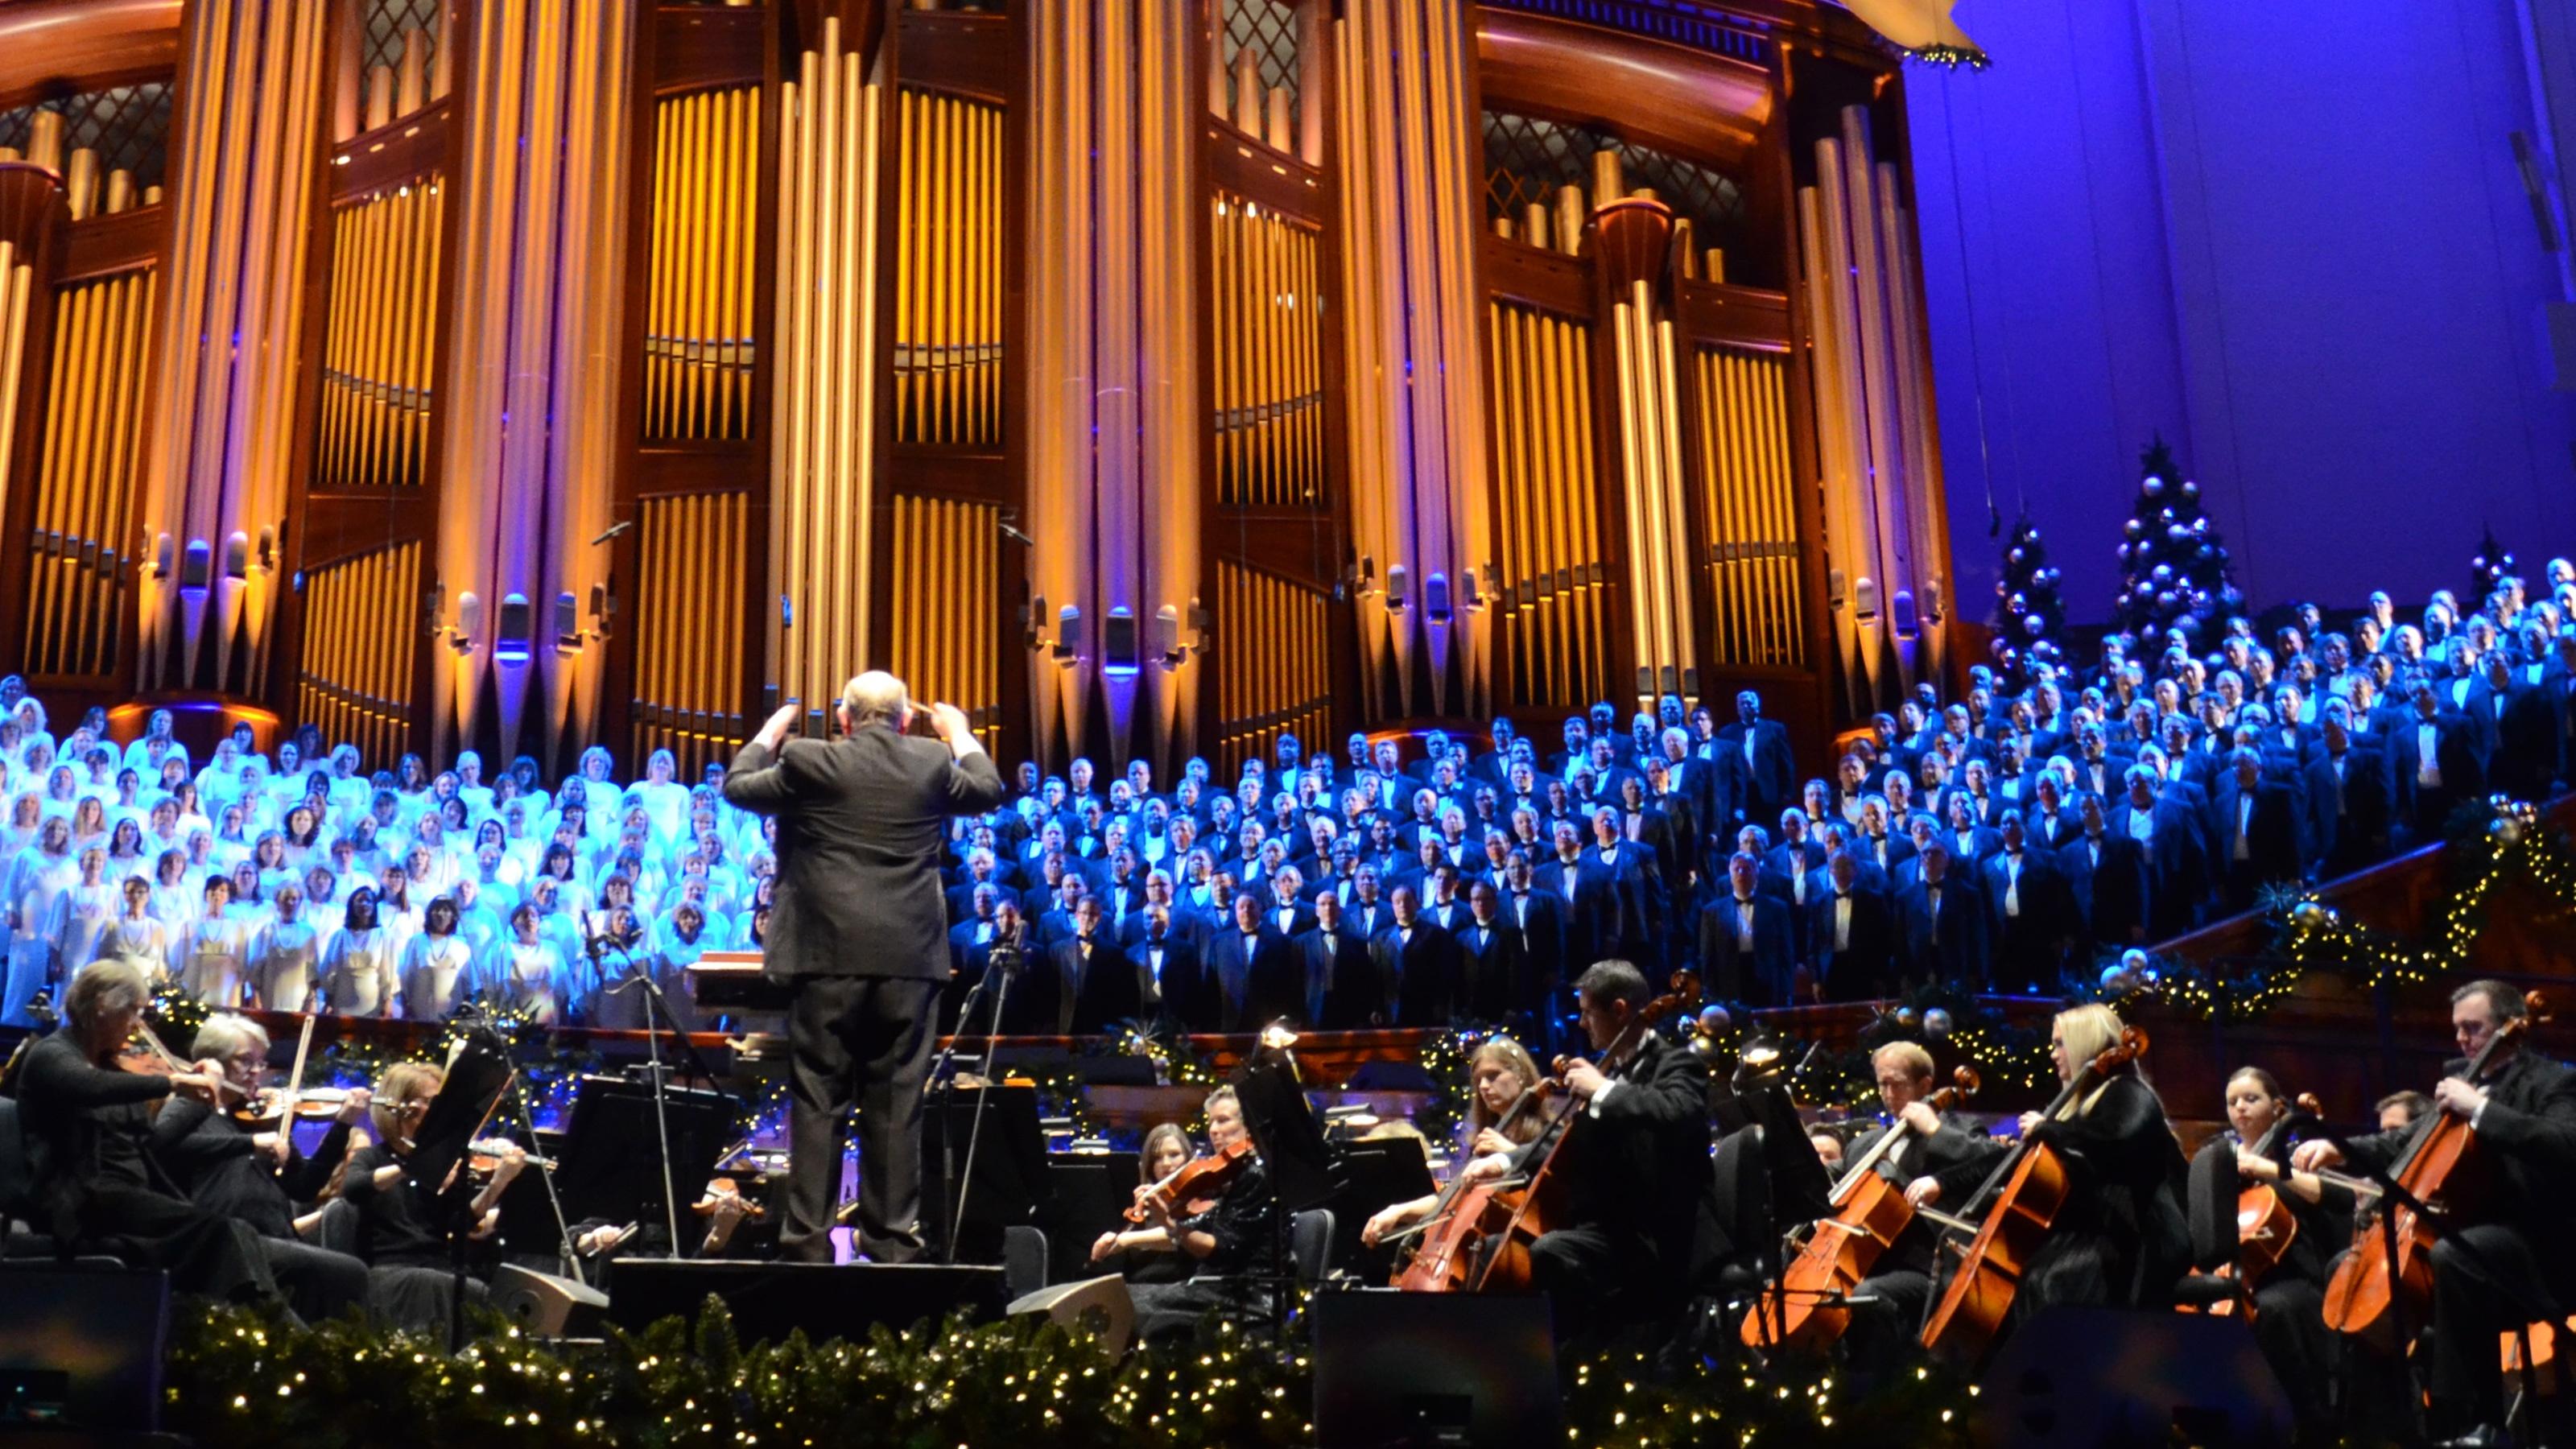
pixel 1342 984
pixel 1851 937
pixel 1942 921
pixel 1745 946
pixel 1582 895
pixel 2258 830
pixel 2349 796
pixel 2164 830
pixel 1255 976
pixel 1169 976
pixel 2107 875
pixel 1770 770
pixel 2433 763
pixel 2518 1265
pixel 1494 980
pixel 1417 967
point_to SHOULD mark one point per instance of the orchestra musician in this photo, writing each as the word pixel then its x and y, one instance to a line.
pixel 1635 1166
pixel 400 1234
pixel 1150 1254
pixel 1936 1156
pixel 1221 1241
pixel 256 1175
pixel 2519 1265
pixel 100 1186
pixel 2121 1239
pixel 2289 1300
pixel 1501 1071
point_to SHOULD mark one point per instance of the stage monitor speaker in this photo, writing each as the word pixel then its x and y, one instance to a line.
pixel 1475 1370
pixel 1065 1303
pixel 548 1306
pixel 826 1300
pixel 81 1347
pixel 2119 1377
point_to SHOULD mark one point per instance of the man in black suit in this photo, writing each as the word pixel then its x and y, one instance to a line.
pixel 1637 1174
pixel 1770 770
pixel 1746 950
pixel 1169 980
pixel 2030 908
pixel 2258 830
pixel 2107 874
pixel 1341 977
pixel 856 931
pixel 1095 981
pixel 1493 975
pixel 2433 762
pixel 1851 941
pixel 1943 920
pixel 2348 797
pixel 2519 1265
pixel 1416 966
pixel 1540 922
pixel 1253 977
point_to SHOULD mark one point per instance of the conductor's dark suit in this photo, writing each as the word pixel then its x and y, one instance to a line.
pixel 859 931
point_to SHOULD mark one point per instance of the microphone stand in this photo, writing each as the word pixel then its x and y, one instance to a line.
pixel 1005 964
pixel 636 975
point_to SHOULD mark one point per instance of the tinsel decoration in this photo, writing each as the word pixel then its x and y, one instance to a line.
pixel 2174 572
pixel 238 1380
pixel 2030 610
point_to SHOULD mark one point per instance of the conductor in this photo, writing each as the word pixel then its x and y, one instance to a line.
pixel 859 934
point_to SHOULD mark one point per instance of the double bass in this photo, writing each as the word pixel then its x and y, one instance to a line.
pixel 2443 1169
pixel 1869 1214
pixel 2034 1187
pixel 1479 1239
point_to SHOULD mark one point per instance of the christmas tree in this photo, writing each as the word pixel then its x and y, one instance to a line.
pixel 2030 614
pixel 2173 570
pixel 2491 566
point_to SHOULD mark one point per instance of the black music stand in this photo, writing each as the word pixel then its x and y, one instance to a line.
pixel 1304 1169
pixel 612 1154
pixel 476 1077
pixel 1005 1188
pixel 1380 1172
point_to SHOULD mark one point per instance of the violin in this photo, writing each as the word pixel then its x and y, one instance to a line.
pixel 1196 1181
pixel 723 1190
pixel 272 1105
pixel 2034 1187
pixel 1483 1244
pixel 144 1055
pixel 2444 1170
pixel 1870 1213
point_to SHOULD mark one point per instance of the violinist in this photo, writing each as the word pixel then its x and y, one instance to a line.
pixel 2121 1238
pixel 2402 1109
pixel 1221 1241
pixel 1501 1072
pixel 1634 1165
pixel 253 1173
pixel 2518 1265
pixel 100 1185
pixel 2289 1297
pixel 1149 1254
pixel 399 1227
pixel 1935 1155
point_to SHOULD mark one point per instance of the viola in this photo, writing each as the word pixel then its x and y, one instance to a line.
pixel 2446 1172
pixel 1199 1179
pixel 1870 1213
pixel 2024 1195
pixel 1496 1222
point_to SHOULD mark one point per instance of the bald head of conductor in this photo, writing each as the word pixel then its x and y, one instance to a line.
pixel 879 698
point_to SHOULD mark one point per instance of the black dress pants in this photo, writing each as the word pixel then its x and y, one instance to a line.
pixel 868 1040
pixel 2485 1282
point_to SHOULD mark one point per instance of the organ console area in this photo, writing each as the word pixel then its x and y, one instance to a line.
pixel 1150 380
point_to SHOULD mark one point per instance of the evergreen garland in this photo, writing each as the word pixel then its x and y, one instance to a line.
pixel 2030 610
pixel 2174 572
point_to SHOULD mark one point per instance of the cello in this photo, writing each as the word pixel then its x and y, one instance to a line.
pixel 2444 1170
pixel 1869 1214
pixel 1444 1242
pixel 1482 1243
pixel 2265 1226
pixel 2034 1186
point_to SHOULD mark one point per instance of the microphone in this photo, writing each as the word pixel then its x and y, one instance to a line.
pixel 1013 534
pixel 614 529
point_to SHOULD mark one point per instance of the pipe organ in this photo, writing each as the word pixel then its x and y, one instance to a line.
pixel 705 216
pixel 380 362
pixel 948 272
pixel 1148 379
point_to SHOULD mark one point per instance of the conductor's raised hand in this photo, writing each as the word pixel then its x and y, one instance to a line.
pixel 951 722
pixel 773 733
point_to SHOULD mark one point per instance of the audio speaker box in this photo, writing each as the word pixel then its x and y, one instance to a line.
pixel 1435 1368
pixel 548 1306
pixel 2115 1376
pixel 826 1300
pixel 1065 1303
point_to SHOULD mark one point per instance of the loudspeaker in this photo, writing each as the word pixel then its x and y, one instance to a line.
pixel 1435 1368
pixel 81 1346
pixel 826 1300
pixel 1065 1303
pixel 2114 1376
pixel 548 1306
